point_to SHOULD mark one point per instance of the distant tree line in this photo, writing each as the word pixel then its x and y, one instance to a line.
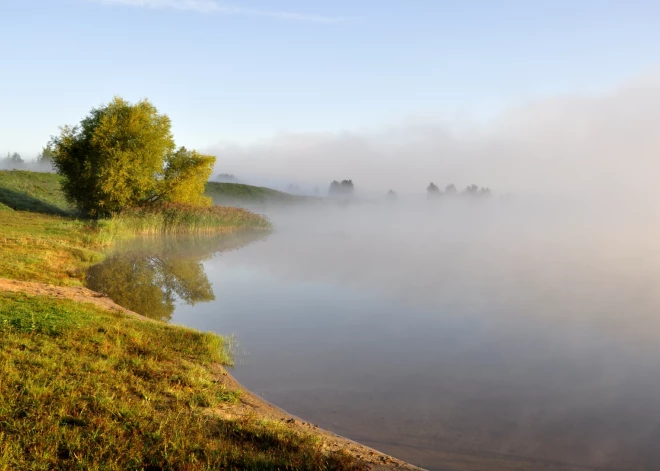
pixel 14 160
pixel 433 191
pixel 226 178
pixel 343 188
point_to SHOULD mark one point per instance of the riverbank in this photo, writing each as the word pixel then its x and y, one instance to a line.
pixel 73 411
pixel 88 384
pixel 43 241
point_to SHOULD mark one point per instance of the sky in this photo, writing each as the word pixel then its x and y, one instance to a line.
pixel 244 76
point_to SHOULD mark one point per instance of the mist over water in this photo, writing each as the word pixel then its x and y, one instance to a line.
pixel 512 332
pixel 576 145
pixel 463 334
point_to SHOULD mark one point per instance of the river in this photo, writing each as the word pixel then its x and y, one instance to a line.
pixel 481 335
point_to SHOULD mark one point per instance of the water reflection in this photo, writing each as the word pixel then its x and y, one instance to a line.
pixel 149 275
pixel 462 338
pixel 467 338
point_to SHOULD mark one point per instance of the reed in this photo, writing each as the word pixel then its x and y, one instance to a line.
pixel 171 218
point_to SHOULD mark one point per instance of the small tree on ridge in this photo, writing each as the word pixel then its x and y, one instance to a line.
pixel 123 156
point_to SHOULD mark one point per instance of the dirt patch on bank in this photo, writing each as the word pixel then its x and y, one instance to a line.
pixel 77 293
pixel 249 405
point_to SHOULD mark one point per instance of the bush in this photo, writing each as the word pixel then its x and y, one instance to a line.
pixel 123 156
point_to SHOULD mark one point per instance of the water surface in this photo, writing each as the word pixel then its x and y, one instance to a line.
pixel 455 336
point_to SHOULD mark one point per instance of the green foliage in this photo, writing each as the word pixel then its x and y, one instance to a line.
pixel 123 156
pixel 53 249
pixel 46 156
pixel 186 174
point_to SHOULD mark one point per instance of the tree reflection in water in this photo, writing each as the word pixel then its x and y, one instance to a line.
pixel 149 275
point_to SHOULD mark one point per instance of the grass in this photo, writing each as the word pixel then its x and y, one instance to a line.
pixel 88 389
pixel 32 191
pixel 178 218
pixel 40 240
pixel 227 193
pixel 40 192
pixel 47 248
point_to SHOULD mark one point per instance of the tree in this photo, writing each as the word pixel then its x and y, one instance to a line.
pixel 185 177
pixel 13 160
pixel 46 156
pixel 226 178
pixel 346 187
pixel 391 195
pixel 432 189
pixel 123 156
pixel 450 189
pixel 472 190
pixel 335 188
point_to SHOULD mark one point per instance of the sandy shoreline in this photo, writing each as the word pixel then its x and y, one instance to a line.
pixel 250 405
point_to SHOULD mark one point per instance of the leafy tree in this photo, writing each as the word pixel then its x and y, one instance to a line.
pixel 432 189
pixel 472 189
pixel 122 156
pixel 335 188
pixel 391 195
pixel 484 191
pixel 226 177
pixel 346 187
pixel 46 156
pixel 450 189
pixel 185 177
pixel 13 159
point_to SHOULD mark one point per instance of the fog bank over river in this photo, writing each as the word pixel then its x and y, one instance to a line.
pixel 463 334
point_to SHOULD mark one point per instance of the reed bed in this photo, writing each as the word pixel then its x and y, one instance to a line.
pixel 173 218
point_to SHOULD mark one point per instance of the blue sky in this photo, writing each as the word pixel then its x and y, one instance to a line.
pixel 244 70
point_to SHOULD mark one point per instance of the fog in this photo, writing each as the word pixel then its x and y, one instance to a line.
pixel 485 333
pixel 563 145
pixel 500 332
pixel 28 164
pixel 515 331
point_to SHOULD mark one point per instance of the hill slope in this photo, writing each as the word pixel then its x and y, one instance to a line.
pixel 239 193
pixel 41 193
pixel 32 191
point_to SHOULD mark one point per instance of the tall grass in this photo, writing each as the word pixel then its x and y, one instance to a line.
pixel 171 218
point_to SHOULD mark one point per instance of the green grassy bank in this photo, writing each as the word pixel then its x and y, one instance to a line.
pixel 83 388
pixel 42 240
pixel 238 193
pixel 88 389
